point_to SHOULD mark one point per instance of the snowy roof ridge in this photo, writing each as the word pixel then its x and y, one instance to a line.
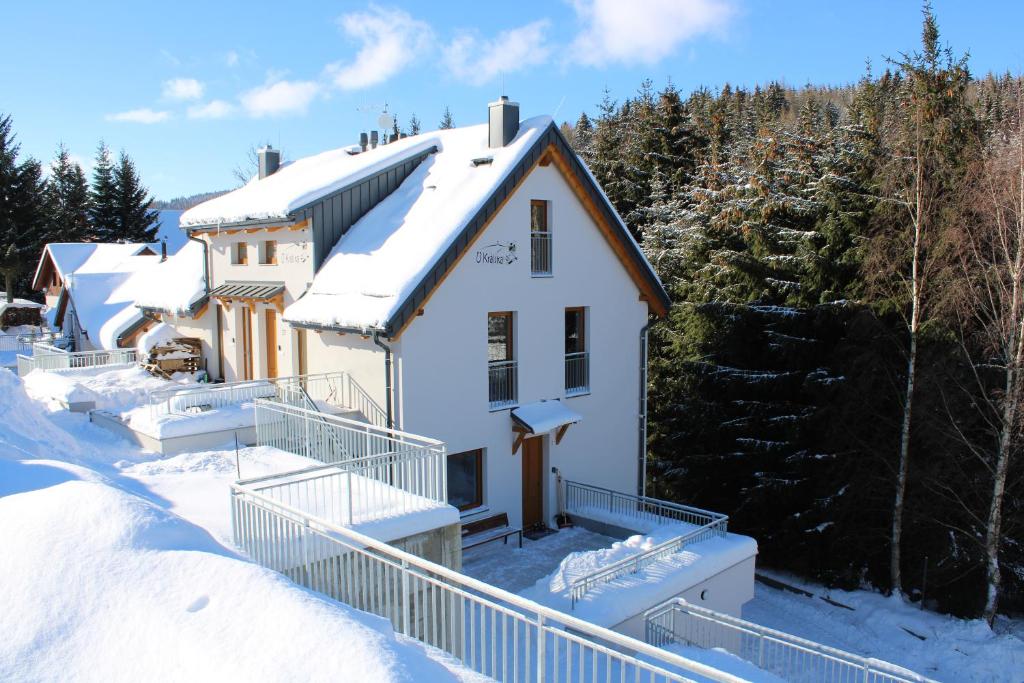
pixel 90 257
pixel 176 285
pixel 304 181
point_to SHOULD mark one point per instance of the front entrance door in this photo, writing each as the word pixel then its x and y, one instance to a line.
pixel 246 342
pixel 533 483
pixel 271 320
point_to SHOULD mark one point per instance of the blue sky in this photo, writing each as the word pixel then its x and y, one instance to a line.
pixel 187 87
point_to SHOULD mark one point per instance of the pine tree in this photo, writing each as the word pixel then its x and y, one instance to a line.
pixel 103 210
pixel 21 209
pixel 135 221
pixel 414 125
pixel 582 135
pixel 446 120
pixel 67 200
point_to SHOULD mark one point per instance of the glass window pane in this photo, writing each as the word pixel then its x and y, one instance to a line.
pixel 499 337
pixel 574 339
pixel 465 479
pixel 538 215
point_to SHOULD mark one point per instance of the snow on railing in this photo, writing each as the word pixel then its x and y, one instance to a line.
pixel 787 656
pixel 22 343
pixel 636 513
pixel 491 631
pixel 48 357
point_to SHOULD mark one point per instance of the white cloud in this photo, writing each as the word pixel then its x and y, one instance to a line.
pixel 231 58
pixel 390 39
pixel 642 31
pixel 183 89
pixel 215 109
pixel 279 97
pixel 478 61
pixel 144 115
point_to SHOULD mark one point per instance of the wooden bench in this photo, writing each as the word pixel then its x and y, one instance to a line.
pixel 488 529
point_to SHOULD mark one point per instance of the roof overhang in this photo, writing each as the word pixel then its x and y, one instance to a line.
pixel 542 417
pixel 247 290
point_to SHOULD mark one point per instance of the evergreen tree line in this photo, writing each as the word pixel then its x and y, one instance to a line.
pixel 840 369
pixel 36 208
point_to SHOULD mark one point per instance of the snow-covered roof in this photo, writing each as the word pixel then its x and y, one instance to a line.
pixel 541 417
pixel 376 264
pixel 102 281
pixel 175 285
pixel 299 183
pixel 89 257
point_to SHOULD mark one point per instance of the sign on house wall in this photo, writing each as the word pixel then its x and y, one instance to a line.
pixel 497 254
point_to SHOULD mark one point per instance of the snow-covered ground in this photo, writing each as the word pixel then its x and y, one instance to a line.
pixel 113 388
pixel 116 566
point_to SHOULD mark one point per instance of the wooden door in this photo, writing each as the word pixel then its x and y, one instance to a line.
pixel 300 345
pixel 271 325
pixel 533 483
pixel 246 342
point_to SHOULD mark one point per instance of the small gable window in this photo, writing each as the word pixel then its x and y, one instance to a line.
pixel 268 252
pixel 240 254
pixel 540 238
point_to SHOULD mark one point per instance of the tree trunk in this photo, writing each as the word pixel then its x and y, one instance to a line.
pixel 9 285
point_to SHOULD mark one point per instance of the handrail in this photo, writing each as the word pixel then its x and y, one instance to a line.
pixel 662 628
pixel 48 357
pixel 586 496
pixel 354 425
pixel 469 590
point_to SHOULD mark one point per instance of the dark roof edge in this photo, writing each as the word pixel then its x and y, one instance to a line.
pixel 550 136
pixel 191 311
pixel 361 331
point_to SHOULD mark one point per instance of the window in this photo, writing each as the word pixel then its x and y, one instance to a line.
pixel 577 360
pixel 268 252
pixel 240 254
pixel 540 238
pixel 466 479
pixel 501 364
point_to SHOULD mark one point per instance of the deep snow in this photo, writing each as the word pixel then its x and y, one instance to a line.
pixel 105 574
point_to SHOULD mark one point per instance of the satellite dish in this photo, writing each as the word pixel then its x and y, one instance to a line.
pixel 386 121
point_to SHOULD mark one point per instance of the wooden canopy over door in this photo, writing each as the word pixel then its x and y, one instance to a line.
pixel 533 483
pixel 271 325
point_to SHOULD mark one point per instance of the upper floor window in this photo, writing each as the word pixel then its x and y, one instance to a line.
pixel 502 378
pixel 577 359
pixel 240 254
pixel 540 237
pixel 268 252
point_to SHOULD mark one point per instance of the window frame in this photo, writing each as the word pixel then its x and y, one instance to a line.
pixel 240 253
pixel 510 329
pixel 478 499
pixel 580 370
pixel 268 247
pixel 581 329
pixel 541 236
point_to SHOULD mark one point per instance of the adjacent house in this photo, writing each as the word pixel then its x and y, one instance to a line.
pixel 476 282
pixel 90 291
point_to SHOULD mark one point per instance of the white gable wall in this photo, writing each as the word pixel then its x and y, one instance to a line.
pixel 442 369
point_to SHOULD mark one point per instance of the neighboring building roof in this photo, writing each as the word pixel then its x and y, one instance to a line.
pixel 86 257
pixel 383 269
pixel 178 285
pixel 233 289
pixel 541 417
pixel 101 280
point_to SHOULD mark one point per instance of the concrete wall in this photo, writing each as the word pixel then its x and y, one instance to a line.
pixel 442 360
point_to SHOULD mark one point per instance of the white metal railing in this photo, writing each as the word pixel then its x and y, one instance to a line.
pixel 540 253
pixel 636 512
pixel 331 439
pixel 577 373
pixel 491 631
pixel 22 343
pixel 502 384
pixel 48 357
pixel 789 657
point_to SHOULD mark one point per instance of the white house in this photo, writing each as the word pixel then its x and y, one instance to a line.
pixel 475 282
pixel 90 291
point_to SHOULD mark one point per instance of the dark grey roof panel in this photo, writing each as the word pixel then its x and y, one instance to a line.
pixel 248 290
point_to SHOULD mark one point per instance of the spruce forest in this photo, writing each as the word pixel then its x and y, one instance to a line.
pixel 840 370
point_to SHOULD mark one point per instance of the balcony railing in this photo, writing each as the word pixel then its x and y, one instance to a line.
pixel 577 373
pixel 540 253
pixel 490 631
pixel 502 384
pixel 47 357
pixel 787 656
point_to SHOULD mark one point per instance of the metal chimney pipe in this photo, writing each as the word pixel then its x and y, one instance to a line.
pixel 373 139
pixel 363 141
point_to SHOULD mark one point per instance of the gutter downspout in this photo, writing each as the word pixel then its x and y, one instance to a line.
pixel 206 287
pixel 642 445
pixel 387 376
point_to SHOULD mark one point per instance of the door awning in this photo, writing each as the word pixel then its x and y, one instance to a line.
pixel 257 291
pixel 542 417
